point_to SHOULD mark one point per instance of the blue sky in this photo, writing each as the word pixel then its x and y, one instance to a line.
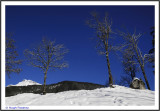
pixel 67 25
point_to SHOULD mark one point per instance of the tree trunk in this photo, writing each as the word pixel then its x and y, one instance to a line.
pixel 144 74
pixel 44 85
pixel 142 67
pixel 107 57
pixel 109 70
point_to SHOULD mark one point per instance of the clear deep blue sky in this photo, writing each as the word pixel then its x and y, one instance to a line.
pixel 67 25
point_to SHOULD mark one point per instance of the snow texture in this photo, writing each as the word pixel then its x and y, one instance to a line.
pixel 118 96
pixel 25 83
pixel 135 78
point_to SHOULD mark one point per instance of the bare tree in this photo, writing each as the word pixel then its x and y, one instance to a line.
pixel 11 56
pixel 130 66
pixel 103 31
pixel 125 80
pixel 151 54
pixel 132 41
pixel 47 55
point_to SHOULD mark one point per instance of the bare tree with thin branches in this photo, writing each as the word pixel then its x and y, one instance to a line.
pixel 151 55
pixel 103 31
pixel 129 65
pixel 132 41
pixel 11 63
pixel 47 55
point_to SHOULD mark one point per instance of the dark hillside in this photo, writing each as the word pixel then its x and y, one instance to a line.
pixel 52 88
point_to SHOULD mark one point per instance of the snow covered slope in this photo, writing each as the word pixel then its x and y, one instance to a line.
pixel 101 96
pixel 25 83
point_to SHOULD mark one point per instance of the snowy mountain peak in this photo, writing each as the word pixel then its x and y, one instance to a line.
pixel 26 82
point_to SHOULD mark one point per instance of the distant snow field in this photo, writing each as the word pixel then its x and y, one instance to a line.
pixel 25 82
pixel 118 96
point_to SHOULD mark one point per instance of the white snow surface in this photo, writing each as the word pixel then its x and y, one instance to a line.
pixel 135 78
pixel 118 96
pixel 25 82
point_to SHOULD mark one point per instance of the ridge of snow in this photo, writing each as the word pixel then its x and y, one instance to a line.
pixel 118 96
pixel 25 82
pixel 10 85
pixel 135 78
